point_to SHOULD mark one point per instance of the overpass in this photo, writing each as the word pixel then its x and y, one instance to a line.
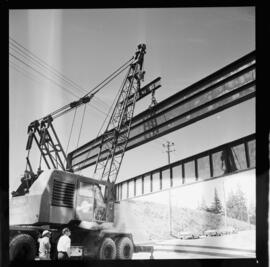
pixel 227 159
pixel 161 203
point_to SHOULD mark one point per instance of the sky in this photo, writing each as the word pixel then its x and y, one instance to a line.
pixel 183 46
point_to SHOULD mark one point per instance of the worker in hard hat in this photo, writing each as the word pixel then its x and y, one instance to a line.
pixel 45 245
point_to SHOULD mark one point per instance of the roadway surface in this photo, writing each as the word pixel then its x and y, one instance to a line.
pixel 240 245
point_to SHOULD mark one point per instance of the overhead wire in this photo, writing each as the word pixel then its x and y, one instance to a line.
pixel 45 65
pixel 64 88
pixel 38 60
pixel 108 79
pixel 25 73
pixel 41 74
pixel 50 68
pixel 42 63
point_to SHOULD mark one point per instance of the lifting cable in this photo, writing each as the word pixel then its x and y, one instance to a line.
pixel 113 104
pixel 112 76
pixel 81 126
pixel 109 77
pixel 71 129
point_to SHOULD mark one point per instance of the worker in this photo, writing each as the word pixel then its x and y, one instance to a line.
pixel 63 245
pixel 45 245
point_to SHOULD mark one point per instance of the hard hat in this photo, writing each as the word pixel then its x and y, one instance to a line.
pixel 45 232
pixel 65 230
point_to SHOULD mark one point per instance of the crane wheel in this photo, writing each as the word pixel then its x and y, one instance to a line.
pixel 107 250
pixel 22 247
pixel 124 248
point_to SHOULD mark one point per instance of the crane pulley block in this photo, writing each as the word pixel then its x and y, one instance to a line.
pixel 82 100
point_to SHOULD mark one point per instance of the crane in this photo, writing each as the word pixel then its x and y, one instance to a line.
pixel 43 133
pixel 59 197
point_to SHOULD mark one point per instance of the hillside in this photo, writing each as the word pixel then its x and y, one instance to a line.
pixel 150 221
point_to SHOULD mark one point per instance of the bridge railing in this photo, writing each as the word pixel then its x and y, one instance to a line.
pixel 228 158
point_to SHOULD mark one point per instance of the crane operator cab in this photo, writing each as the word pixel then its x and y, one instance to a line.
pixel 59 197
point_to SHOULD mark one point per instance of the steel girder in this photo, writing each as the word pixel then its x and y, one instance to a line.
pixel 225 88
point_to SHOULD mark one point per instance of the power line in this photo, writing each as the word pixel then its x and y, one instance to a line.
pixel 64 88
pixel 64 77
pixel 106 81
pixel 38 61
pixel 30 76
pixel 24 72
pixel 29 55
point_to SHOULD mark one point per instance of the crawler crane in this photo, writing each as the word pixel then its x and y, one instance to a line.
pixel 58 197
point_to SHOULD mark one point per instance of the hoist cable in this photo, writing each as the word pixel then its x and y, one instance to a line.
pixel 71 129
pixel 63 109
pixel 108 78
pixel 111 107
pixel 81 126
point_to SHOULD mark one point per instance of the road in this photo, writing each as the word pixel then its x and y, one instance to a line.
pixel 240 245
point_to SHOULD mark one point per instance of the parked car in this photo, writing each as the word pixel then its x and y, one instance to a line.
pixel 212 232
pixel 229 230
pixel 188 235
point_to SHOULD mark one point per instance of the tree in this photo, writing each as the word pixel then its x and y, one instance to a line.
pixel 236 205
pixel 216 206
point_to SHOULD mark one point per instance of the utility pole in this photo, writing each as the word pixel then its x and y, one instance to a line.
pixel 168 145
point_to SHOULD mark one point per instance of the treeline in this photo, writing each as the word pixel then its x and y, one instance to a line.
pixel 236 206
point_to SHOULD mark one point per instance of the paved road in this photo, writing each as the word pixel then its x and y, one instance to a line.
pixel 240 245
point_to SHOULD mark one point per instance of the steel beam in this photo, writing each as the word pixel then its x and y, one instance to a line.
pixel 225 88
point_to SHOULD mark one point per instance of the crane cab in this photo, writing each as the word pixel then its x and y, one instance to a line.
pixel 59 197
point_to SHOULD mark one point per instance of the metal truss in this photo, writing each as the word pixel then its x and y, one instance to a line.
pixel 48 143
pixel 120 121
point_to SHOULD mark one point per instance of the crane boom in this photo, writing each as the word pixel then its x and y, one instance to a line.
pixel 120 120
